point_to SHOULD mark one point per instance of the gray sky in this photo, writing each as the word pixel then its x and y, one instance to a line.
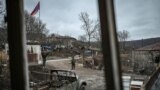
pixel 139 17
pixel 62 16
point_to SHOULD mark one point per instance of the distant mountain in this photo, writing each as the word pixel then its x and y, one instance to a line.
pixel 141 43
pixel 134 43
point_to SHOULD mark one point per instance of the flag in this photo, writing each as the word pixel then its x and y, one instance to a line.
pixel 36 9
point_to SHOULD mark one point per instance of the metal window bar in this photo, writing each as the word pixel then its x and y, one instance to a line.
pixel 110 45
pixel 18 58
pixel 17 44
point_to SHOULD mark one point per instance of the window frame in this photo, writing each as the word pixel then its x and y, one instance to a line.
pixel 110 45
pixel 17 45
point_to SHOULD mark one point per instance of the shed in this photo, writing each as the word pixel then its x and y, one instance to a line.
pixel 33 53
pixel 144 57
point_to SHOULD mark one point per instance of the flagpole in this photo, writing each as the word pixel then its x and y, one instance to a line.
pixel 39 11
pixel 39 18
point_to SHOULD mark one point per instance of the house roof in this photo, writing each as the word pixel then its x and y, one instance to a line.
pixel 152 47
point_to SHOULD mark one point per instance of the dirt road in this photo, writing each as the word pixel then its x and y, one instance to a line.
pixel 94 78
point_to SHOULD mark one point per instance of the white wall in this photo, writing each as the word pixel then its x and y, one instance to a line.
pixel 37 50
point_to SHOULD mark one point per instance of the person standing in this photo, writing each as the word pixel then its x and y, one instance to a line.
pixel 44 54
pixel 73 63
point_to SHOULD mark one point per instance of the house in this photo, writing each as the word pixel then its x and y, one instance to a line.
pixel 95 51
pixel 61 41
pixel 33 52
pixel 144 58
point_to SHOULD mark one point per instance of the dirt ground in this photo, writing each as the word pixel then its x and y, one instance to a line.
pixel 94 78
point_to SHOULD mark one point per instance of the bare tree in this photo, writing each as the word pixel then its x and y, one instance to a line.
pixel 97 35
pixel 3 26
pixel 82 38
pixel 122 37
pixel 2 8
pixel 36 30
pixel 3 33
pixel 88 25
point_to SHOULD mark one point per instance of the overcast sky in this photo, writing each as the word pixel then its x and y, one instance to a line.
pixel 139 17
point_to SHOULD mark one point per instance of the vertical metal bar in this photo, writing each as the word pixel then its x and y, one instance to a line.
pixel 17 45
pixel 110 45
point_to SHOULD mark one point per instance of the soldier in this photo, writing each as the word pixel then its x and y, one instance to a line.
pixel 44 53
pixel 73 62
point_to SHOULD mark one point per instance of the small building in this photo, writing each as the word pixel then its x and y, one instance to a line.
pixel 33 53
pixel 144 58
pixel 61 41
pixel 95 51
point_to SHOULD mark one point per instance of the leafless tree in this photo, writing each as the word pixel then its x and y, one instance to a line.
pixel 36 30
pixel 122 37
pixel 89 26
pixel 3 27
pixel 82 38
pixel 97 34
pixel 3 32
pixel 2 8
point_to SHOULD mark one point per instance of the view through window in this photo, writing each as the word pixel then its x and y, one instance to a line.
pixel 64 44
pixel 138 34
pixel 4 52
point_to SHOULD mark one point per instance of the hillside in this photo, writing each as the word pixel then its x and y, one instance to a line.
pixel 141 43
